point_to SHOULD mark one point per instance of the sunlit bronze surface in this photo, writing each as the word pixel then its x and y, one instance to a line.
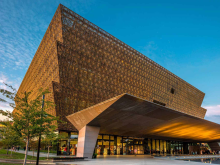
pixel 127 115
pixel 83 65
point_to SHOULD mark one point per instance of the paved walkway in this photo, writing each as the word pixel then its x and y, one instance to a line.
pixel 118 160
pixel 177 157
pixel 130 160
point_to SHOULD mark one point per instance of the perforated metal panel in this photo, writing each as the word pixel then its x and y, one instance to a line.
pixel 86 65
pixel 44 66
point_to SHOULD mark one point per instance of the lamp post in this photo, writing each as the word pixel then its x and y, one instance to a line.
pixel 38 149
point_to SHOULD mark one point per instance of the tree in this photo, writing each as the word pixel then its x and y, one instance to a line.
pixel 29 118
pixel 33 144
pixel 50 140
pixel 9 136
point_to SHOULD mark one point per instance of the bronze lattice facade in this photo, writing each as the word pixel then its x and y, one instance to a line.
pixel 83 65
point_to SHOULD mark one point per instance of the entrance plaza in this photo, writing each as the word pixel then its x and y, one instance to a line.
pixel 128 159
pixel 132 160
pixel 120 160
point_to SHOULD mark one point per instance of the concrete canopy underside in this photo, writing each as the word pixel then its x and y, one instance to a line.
pixel 127 115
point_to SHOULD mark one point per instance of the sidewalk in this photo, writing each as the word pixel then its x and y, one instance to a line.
pixel 120 160
pixel 181 157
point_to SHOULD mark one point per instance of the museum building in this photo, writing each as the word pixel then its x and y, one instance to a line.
pixel 113 99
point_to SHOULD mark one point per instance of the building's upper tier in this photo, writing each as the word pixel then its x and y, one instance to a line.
pixel 92 66
pixel 110 67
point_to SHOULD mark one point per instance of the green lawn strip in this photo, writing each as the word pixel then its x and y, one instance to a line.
pixel 9 163
pixel 15 155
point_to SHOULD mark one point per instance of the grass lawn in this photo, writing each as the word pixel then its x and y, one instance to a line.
pixel 9 163
pixel 15 155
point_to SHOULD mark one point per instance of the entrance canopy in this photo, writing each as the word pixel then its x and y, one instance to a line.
pixel 127 115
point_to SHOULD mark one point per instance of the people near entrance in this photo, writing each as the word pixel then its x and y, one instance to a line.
pixel 135 151
pixel 215 152
pixel 205 151
pixel 13 148
pixel 64 150
pixel 73 149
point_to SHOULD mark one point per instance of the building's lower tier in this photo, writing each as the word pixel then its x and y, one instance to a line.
pixel 120 145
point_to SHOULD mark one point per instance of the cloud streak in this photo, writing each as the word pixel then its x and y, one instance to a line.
pixel 18 43
pixel 212 110
pixel 213 113
pixel 23 25
pixel 5 105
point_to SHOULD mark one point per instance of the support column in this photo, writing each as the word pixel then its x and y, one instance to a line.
pixel 185 148
pixel 86 141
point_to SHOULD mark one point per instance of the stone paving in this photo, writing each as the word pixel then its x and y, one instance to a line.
pixel 188 156
pixel 130 160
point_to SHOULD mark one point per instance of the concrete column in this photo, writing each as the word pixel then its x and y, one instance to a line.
pixel 185 148
pixel 86 141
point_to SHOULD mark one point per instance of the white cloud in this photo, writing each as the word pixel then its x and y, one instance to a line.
pixel 3 117
pixel 18 42
pixel 10 81
pixel 3 78
pixel 5 106
pixel 22 29
pixel 212 110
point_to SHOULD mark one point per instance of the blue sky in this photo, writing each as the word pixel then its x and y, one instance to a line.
pixel 183 36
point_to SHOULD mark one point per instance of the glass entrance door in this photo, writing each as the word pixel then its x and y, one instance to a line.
pixel 130 150
pixel 119 146
pixel 112 148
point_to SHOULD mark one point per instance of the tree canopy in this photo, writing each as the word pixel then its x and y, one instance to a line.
pixel 29 118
